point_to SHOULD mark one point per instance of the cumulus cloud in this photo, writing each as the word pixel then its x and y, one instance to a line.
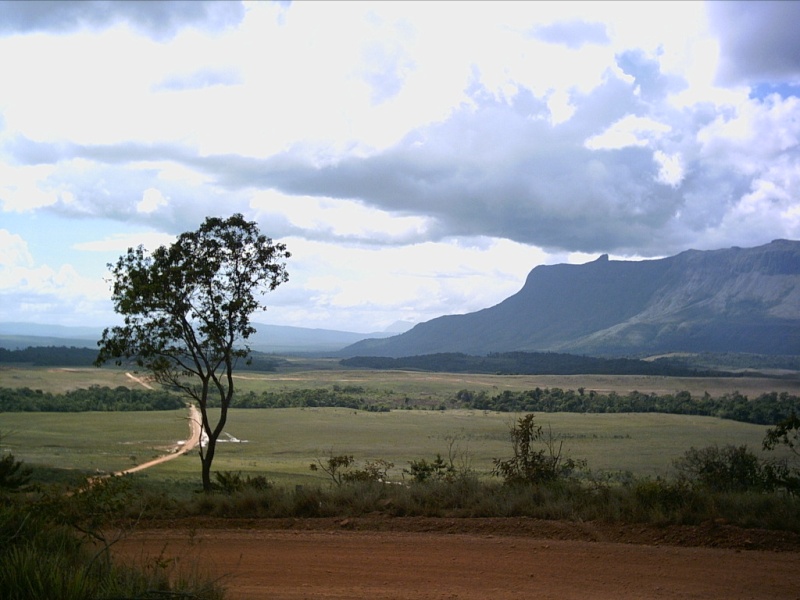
pixel 39 292
pixel 573 34
pixel 119 243
pixel 13 251
pixel 159 20
pixel 758 41
pixel 352 129
pixel 199 79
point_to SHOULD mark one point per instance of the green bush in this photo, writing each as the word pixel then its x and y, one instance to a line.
pixel 13 474
pixel 727 469
pixel 529 465
pixel 54 544
pixel 230 482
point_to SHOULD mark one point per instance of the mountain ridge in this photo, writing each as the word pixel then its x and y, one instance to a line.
pixel 729 300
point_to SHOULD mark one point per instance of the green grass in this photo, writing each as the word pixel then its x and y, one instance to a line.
pixel 281 443
pixel 91 441
pixel 435 386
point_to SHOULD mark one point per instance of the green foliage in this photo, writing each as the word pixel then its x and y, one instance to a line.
pixel 376 471
pixel 56 545
pixel 93 398
pixel 230 482
pixel 421 470
pixel 727 469
pixel 187 312
pixel 786 433
pixel 341 469
pixel 528 465
pixel 528 363
pixel 354 397
pixel 766 409
pixel 50 356
pixel 334 466
pixel 13 474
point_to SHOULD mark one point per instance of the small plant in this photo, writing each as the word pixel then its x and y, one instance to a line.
pixel 231 482
pixel 13 474
pixel 529 465
pixel 339 469
pixel 786 433
pixel 422 470
pixel 374 470
pixel 335 466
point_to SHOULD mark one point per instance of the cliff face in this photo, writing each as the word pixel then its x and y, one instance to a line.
pixel 732 300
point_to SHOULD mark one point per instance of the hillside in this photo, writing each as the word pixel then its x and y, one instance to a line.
pixel 732 300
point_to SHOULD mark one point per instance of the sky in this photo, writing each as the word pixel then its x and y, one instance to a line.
pixel 418 159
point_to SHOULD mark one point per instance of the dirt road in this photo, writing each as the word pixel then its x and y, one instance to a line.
pixel 340 563
pixel 179 448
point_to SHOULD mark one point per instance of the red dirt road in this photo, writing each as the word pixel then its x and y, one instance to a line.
pixel 332 560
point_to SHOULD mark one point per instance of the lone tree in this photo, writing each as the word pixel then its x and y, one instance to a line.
pixel 187 312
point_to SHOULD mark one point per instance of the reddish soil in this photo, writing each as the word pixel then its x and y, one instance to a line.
pixel 415 558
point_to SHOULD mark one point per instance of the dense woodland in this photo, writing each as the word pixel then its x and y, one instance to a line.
pixel 50 356
pixel 94 398
pixel 766 409
pixel 62 356
pixel 530 363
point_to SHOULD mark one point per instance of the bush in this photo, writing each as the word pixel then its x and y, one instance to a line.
pixel 230 482
pixel 534 466
pixel 727 469
pixel 13 474
pixel 52 545
pixel 422 470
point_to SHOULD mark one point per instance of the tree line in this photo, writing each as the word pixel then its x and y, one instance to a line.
pixel 766 409
pixel 531 363
pixel 94 398
pixel 63 356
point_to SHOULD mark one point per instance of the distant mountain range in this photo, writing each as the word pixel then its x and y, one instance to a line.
pixel 268 338
pixel 733 300
pixel 741 300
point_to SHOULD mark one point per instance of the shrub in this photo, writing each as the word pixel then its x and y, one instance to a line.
pixel 727 469
pixel 422 470
pixel 13 474
pixel 528 465
pixel 373 471
pixel 230 482
pixel 53 546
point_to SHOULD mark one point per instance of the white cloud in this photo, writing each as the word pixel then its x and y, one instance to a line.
pixel 670 170
pixel 631 130
pixel 14 251
pixel 398 146
pixel 357 288
pixel 119 243
pixel 151 201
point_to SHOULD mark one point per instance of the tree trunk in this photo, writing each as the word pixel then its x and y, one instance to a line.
pixel 206 458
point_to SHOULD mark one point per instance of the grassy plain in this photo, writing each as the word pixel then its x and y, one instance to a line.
pixel 312 373
pixel 282 443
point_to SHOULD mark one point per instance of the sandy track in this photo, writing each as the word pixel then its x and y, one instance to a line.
pixel 139 380
pixel 179 448
pixel 342 564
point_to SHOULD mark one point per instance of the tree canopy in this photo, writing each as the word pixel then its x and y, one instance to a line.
pixel 187 311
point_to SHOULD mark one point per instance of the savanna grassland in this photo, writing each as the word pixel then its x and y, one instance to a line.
pixel 282 443
pixel 623 526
